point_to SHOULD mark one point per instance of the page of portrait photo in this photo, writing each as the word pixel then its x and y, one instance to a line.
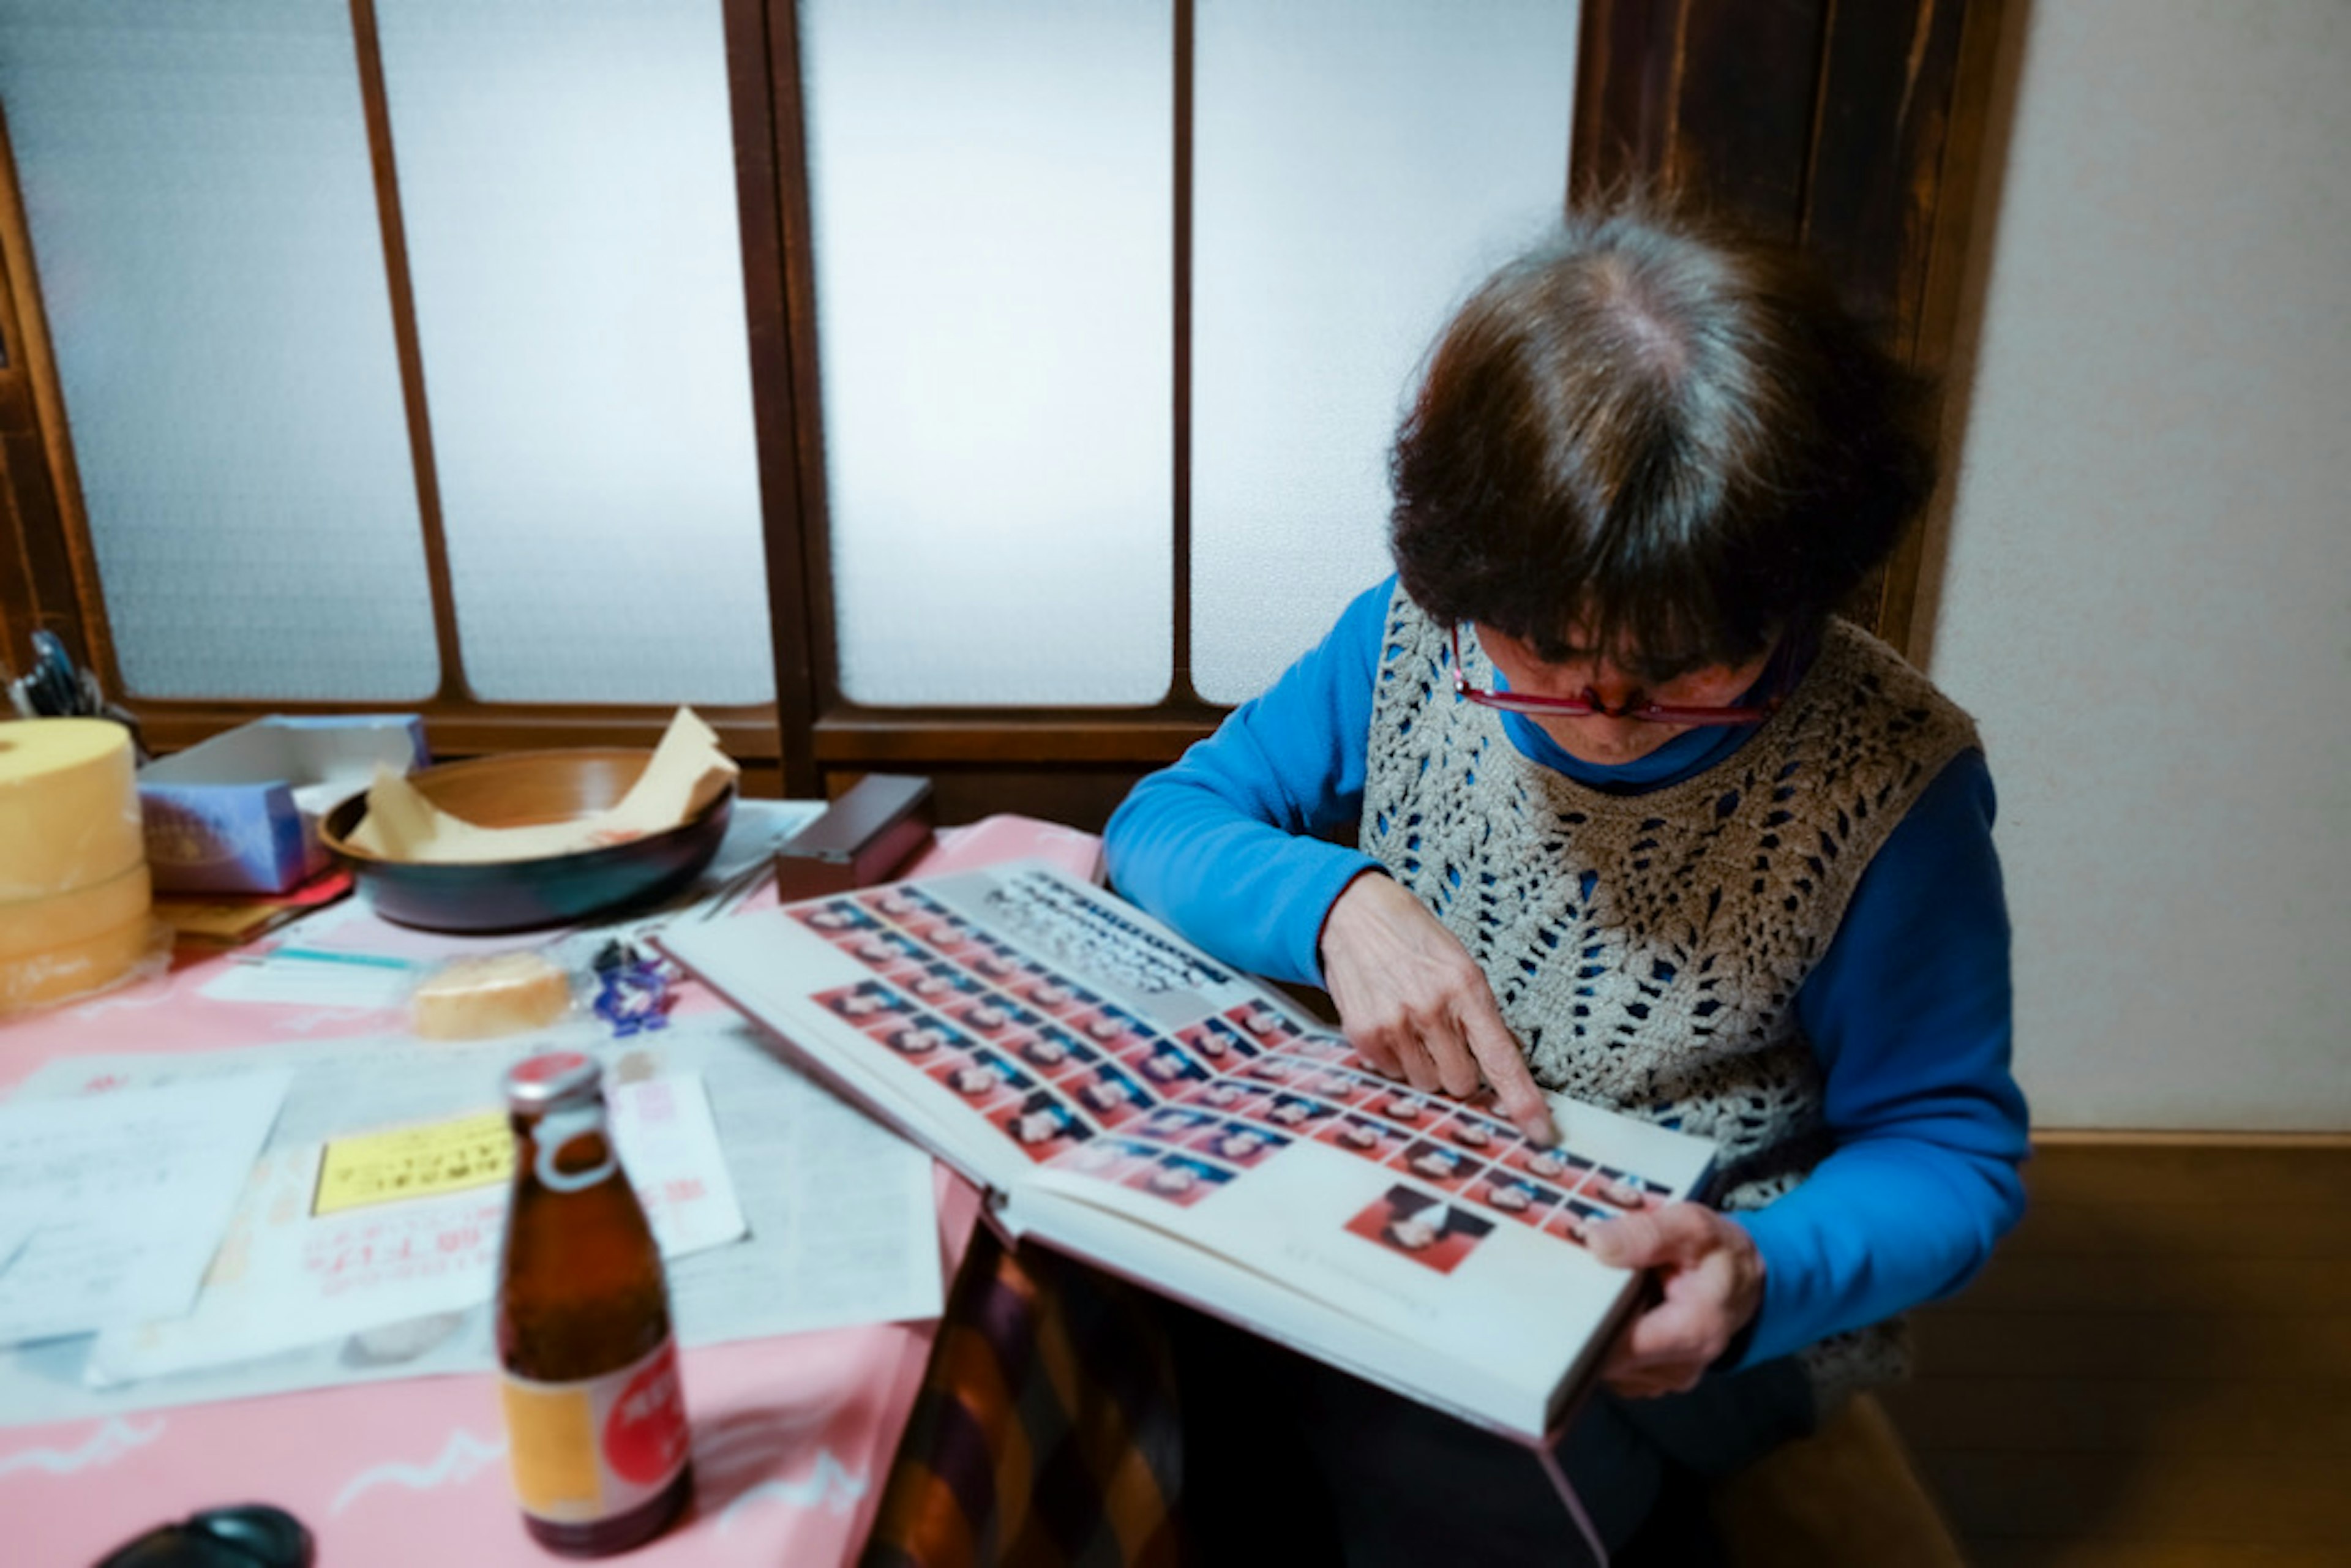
pixel 1128 1100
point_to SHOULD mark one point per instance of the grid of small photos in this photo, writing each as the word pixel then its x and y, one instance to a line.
pixel 1070 1077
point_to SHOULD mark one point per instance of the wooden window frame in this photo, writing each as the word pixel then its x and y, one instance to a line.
pixel 1072 762
pixel 1855 129
pixel 49 566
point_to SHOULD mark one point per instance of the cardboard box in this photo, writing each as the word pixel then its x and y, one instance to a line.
pixel 239 813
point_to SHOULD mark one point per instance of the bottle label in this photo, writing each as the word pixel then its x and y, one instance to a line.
pixel 587 1451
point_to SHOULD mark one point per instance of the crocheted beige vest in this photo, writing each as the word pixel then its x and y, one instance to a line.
pixel 1646 949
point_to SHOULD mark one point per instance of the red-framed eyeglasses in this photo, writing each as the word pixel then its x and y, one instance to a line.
pixel 1587 705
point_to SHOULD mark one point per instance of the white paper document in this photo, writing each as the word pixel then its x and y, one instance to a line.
pixel 323 1246
pixel 16 1229
pixel 838 1215
pixel 669 1146
pixel 124 1194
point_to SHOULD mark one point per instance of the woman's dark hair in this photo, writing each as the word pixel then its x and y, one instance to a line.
pixel 1664 434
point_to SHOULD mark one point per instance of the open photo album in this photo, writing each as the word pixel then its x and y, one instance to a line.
pixel 1129 1101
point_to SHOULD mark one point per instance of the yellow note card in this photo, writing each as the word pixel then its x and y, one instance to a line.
pixel 414 1162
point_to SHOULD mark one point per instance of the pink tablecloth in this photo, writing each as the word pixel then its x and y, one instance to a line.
pixel 792 1437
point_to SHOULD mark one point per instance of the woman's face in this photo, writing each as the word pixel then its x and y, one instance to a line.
pixel 1597 738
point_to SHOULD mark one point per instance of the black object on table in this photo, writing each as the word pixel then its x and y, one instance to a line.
pixel 242 1535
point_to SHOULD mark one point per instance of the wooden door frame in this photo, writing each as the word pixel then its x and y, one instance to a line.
pixel 1855 129
pixel 50 574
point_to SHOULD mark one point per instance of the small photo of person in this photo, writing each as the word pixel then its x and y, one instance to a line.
pixel 836 919
pixel 1622 1188
pixel 1041 987
pixel 946 934
pixel 1180 1178
pixel 1081 1058
pixel 1051 1052
pixel 1113 1030
pixel 1422 1227
pixel 1466 1130
pixel 1172 1123
pixel 1166 1065
pixel 1448 1168
pixel 1340 1087
pixel 1331 1048
pixel 992 960
pixel 919 924
pixel 902 902
pixel 991 1018
pixel 885 950
pixel 1042 1125
pixel 1237 1143
pixel 984 1079
pixel 1404 1108
pixel 943 984
pixel 1559 1167
pixel 1215 1044
pixel 1268 1028
pixel 865 1004
pixel 1110 1096
pixel 1297 1111
pixel 896 903
pixel 1361 1137
pixel 1273 1070
pixel 1573 1219
pixel 920 1038
pixel 1226 1094
pixel 1528 1202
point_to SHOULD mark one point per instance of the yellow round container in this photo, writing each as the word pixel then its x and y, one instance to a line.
pixel 69 969
pixel 33 925
pixel 68 806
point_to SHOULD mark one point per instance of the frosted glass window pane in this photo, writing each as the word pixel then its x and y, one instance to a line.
pixel 196 179
pixel 1358 167
pixel 567 172
pixel 991 187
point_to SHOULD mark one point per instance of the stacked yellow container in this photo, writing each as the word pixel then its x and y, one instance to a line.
pixel 74 895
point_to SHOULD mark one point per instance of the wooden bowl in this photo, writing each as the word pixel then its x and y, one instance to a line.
pixel 526 788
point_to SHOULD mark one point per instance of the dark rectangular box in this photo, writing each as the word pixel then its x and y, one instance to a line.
pixel 862 839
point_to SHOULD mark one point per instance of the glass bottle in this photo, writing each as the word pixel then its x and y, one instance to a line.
pixel 596 1421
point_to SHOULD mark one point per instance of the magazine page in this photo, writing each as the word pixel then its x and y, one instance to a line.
pixel 1000 1017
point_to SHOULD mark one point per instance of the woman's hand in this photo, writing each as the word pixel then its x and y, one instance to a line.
pixel 1416 1005
pixel 1711 1281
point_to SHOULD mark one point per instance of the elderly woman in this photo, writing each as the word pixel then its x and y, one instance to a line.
pixel 1639 819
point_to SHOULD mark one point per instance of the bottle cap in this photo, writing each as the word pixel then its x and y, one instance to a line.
pixel 551 1078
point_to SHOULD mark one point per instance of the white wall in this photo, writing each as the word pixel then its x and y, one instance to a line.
pixel 2146 596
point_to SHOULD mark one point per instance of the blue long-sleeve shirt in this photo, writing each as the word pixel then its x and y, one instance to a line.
pixel 1909 1011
